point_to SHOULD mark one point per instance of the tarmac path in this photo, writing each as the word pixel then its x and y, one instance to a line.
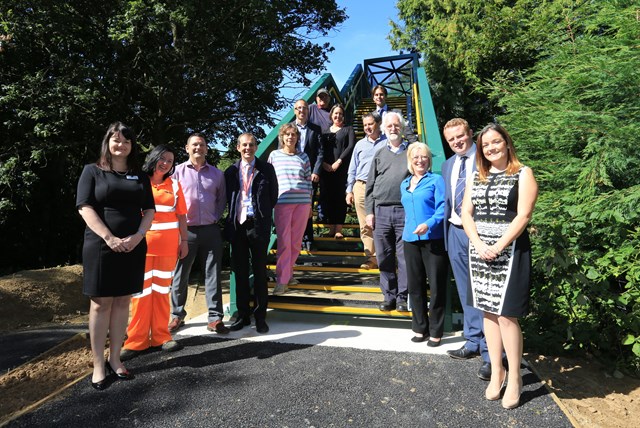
pixel 308 371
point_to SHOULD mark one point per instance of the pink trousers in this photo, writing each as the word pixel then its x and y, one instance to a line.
pixel 291 221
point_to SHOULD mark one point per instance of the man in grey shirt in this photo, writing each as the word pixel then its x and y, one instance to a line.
pixel 385 214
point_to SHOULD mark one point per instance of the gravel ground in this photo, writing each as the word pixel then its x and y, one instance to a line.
pixel 240 383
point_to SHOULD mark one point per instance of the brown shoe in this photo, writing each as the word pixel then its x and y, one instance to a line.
pixel 175 324
pixel 218 326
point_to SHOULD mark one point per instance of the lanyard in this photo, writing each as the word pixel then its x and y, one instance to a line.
pixel 246 180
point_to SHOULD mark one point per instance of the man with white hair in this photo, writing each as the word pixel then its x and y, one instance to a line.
pixel 385 214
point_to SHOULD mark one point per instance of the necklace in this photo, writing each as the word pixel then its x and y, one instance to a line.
pixel 121 174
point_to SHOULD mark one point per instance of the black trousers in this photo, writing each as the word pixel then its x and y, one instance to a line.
pixel 427 262
pixel 249 250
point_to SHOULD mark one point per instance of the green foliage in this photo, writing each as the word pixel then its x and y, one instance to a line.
pixel 167 68
pixel 574 119
pixel 562 75
pixel 468 42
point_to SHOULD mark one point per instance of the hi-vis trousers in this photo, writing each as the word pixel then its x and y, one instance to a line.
pixel 150 309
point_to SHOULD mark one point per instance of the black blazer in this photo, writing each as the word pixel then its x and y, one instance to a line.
pixel 313 147
pixel 264 195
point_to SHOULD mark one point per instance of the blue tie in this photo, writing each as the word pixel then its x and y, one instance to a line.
pixel 460 184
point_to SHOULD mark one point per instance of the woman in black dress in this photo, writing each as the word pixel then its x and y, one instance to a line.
pixel 115 201
pixel 337 146
pixel 496 209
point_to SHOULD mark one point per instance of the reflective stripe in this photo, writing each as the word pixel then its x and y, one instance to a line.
pixel 164 274
pixel 162 289
pixel 165 208
pixel 164 226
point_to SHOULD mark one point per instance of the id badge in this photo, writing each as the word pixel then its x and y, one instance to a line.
pixel 246 202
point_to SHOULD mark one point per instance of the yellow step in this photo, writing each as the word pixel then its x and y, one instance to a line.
pixel 332 239
pixel 337 310
pixel 327 253
pixel 329 269
pixel 341 288
pixel 344 226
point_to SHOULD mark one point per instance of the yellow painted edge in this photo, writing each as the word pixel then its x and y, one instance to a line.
pixel 329 269
pixel 345 239
pixel 327 253
pixel 344 226
pixel 337 309
pixel 343 288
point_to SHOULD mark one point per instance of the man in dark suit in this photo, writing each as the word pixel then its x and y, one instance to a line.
pixel 455 171
pixel 252 192
pixel 309 143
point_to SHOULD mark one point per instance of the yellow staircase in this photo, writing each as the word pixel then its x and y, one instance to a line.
pixel 329 278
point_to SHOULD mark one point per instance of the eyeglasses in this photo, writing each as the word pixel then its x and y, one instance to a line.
pixel 415 158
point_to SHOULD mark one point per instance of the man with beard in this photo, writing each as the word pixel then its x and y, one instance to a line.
pixel 385 214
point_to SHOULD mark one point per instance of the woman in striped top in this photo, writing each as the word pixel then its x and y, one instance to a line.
pixel 294 202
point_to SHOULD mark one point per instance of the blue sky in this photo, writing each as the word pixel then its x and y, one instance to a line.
pixel 363 35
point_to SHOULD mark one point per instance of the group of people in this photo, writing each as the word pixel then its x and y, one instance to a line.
pixel 146 227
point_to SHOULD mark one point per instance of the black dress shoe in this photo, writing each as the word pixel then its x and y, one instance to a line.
pixel 239 324
pixel 402 307
pixel 462 354
pixel 433 343
pixel 387 306
pixel 102 385
pixel 262 327
pixel 125 375
pixel 484 372
pixel 418 339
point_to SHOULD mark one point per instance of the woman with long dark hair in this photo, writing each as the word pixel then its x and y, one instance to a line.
pixel 497 206
pixel 115 201
pixel 338 142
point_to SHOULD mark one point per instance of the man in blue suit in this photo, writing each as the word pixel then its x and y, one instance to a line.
pixel 455 171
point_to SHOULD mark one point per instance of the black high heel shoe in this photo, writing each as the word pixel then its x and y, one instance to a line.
pixel 102 385
pixel 125 375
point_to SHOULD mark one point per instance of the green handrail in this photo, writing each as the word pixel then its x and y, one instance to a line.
pixel 356 87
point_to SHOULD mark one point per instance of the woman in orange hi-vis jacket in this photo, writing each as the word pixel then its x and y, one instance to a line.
pixel 166 241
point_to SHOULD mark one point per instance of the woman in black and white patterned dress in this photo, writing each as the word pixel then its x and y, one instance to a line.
pixel 497 207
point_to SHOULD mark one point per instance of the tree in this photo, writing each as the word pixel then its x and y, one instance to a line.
pixel 167 68
pixel 575 120
pixel 466 43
